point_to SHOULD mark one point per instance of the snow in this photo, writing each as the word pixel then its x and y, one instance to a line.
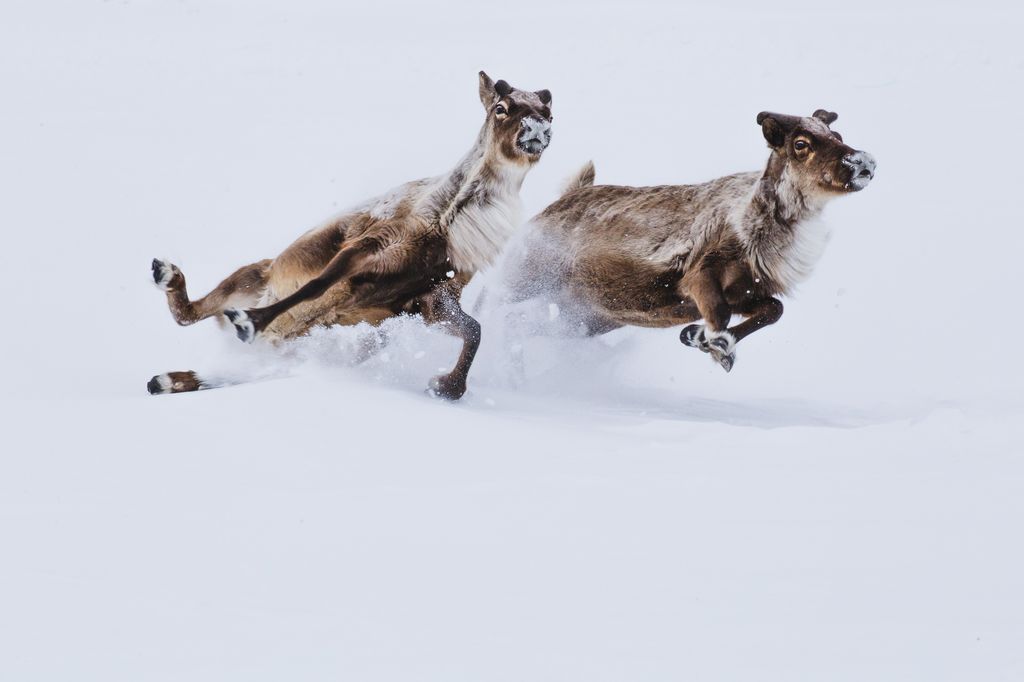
pixel 846 504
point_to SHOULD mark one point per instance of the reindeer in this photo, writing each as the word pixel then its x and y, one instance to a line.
pixel 410 251
pixel 613 256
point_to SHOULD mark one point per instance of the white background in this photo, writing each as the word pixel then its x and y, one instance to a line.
pixel 845 505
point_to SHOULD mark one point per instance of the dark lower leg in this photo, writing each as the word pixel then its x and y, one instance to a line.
pixel 761 314
pixel 345 263
pixel 711 304
pixel 713 336
pixel 443 308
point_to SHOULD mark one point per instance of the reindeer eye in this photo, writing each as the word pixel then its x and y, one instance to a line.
pixel 801 145
pixel 500 110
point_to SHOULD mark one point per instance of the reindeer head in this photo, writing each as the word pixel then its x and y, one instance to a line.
pixel 814 154
pixel 519 120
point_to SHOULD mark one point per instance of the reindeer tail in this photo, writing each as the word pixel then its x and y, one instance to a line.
pixel 584 177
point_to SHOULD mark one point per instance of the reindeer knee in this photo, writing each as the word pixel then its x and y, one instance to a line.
pixel 772 310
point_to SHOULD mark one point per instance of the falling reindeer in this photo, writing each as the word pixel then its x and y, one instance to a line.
pixel 409 251
pixel 613 256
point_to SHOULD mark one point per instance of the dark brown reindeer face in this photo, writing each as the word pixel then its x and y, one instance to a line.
pixel 815 153
pixel 520 120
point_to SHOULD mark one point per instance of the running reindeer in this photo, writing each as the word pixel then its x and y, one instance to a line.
pixel 613 256
pixel 409 251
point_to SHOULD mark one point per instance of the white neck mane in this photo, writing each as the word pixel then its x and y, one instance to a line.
pixel 480 229
pixel 784 252
pixel 476 206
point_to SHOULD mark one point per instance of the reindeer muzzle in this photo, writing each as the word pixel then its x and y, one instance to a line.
pixel 862 170
pixel 535 135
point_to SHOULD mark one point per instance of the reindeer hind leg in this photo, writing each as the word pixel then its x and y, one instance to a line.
pixel 189 381
pixel 250 321
pixel 242 287
pixel 177 382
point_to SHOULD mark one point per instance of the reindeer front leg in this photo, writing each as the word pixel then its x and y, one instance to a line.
pixel 442 307
pixel 714 336
pixel 759 313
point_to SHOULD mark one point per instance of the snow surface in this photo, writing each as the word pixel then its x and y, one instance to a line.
pixel 845 505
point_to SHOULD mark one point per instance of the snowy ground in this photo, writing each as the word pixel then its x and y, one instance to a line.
pixel 845 505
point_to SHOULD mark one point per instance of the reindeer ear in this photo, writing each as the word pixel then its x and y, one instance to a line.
pixel 487 93
pixel 826 117
pixel 772 129
pixel 545 96
pixel 502 88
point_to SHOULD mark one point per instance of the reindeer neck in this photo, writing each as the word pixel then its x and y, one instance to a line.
pixel 779 227
pixel 476 175
pixel 476 205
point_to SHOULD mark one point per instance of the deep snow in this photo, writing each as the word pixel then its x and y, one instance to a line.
pixel 845 505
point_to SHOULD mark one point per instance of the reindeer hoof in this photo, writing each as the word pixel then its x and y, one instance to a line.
pixel 244 327
pixel 166 275
pixel 720 345
pixel 726 361
pixel 447 387
pixel 693 336
pixel 159 384
pixel 722 348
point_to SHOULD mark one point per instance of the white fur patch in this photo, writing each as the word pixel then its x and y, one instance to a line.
pixel 478 233
pixel 712 335
pixel 808 246
pixel 788 258
pixel 165 275
pixel 244 327
pixel 799 258
pixel 164 382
